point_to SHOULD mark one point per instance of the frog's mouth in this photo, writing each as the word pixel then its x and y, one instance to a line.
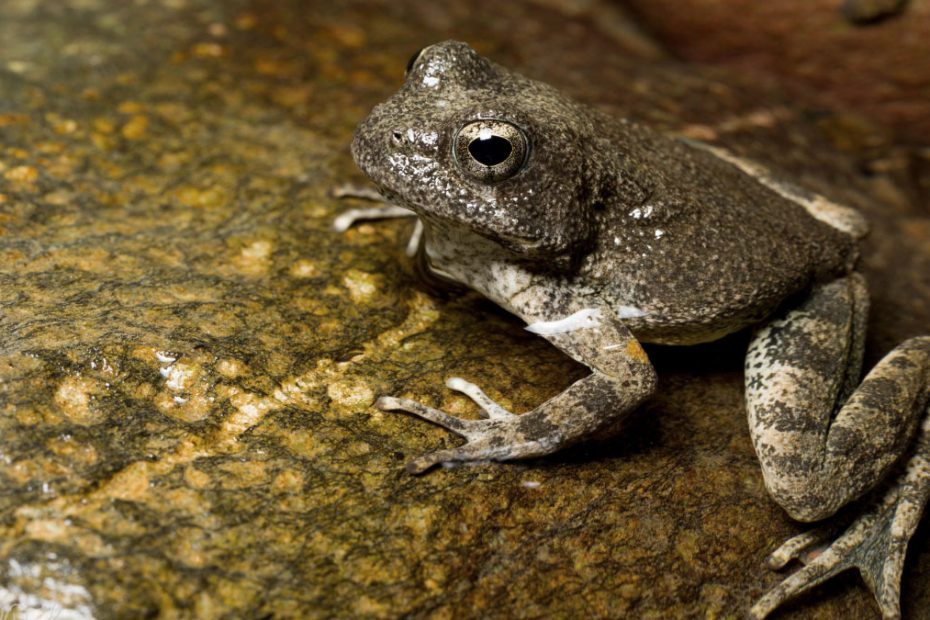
pixel 519 244
pixel 515 242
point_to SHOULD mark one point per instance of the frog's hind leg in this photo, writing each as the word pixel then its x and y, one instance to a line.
pixel 823 440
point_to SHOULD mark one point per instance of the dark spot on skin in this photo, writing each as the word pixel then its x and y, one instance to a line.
pixel 535 426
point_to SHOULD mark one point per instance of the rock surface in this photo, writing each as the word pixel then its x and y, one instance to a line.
pixel 870 56
pixel 189 355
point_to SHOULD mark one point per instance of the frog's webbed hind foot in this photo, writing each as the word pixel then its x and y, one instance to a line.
pixel 875 542
pixel 497 436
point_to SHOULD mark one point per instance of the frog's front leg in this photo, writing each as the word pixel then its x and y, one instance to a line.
pixel 823 439
pixel 622 377
pixel 384 211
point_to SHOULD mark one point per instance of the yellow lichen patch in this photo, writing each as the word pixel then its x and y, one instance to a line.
pixel 297 390
pixel 103 125
pixel 420 519
pixel 369 607
pixel 135 128
pixel 189 546
pixel 303 444
pixel 51 147
pixel 309 302
pixel 180 376
pixel 635 351
pixel 35 470
pixel 188 501
pixel 69 448
pixel 423 314
pixel 304 269
pixel 201 198
pixel 362 286
pixel 288 481
pixel 245 21
pixel 102 141
pixel 130 483
pixel 347 35
pixel 243 474
pixel 61 125
pixel 62 532
pixel 22 174
pixel 28 416
pixel 688 546
pixel 277 67
pixel 195 478
pixel 93 260
pixel 255 256
pixel 175 113
pixel 351 393
pixel 357 448
pixel 190 408
pixel 249 411
pixel 230 368
pixel 74 398
pixel 293 96
pixel 129 107
pixel 186 396
pixel 207 50
pixel 59 198
pixel 10 118
pixel 138 390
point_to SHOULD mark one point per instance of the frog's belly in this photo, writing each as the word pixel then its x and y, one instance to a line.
pixel 684 337
pixel 682 328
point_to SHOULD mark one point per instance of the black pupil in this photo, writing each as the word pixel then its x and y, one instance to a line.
pixel 491 151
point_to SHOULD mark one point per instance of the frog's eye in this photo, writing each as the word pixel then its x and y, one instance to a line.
pixel 490 150
pixel 413 61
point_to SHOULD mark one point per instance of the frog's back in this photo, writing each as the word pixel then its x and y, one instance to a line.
pixel 710 249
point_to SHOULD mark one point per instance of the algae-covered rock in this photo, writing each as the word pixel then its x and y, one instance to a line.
pixel 189 354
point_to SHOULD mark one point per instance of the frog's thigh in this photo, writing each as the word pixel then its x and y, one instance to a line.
pixel 819 449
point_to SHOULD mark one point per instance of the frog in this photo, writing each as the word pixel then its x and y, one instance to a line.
pixel 602 235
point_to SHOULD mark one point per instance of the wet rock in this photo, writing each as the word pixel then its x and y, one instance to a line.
pixel 189 354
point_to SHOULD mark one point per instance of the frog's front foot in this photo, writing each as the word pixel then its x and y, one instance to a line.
pixel 347 219
pixel 500 435
pixel 875 543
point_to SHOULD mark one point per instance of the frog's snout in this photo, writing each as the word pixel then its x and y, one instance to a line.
pixel 398 138
pixel 412 140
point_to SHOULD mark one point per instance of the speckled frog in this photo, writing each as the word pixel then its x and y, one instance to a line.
pixel 602 234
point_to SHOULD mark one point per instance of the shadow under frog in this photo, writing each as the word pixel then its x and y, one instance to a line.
pixel 602 234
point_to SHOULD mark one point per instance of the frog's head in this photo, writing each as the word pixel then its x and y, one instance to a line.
pixel 467 143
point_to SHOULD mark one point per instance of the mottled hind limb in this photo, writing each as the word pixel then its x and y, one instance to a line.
pixel 875 543
pixel 824 440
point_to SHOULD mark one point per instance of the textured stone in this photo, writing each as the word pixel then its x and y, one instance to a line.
pixel 188 353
